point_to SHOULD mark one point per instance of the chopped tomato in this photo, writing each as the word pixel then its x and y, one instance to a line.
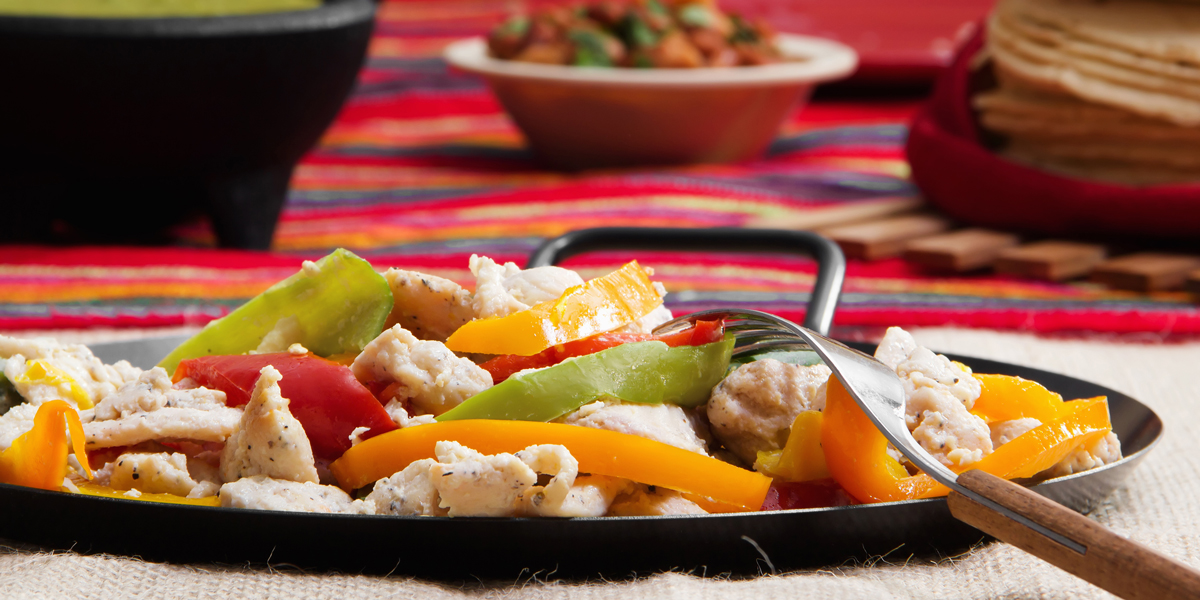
pixel 324 396
pixel 817 493
pixel 502 367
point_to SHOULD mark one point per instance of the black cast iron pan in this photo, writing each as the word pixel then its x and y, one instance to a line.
pixel 464 548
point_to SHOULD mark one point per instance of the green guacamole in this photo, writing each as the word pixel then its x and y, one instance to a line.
pixel 149 8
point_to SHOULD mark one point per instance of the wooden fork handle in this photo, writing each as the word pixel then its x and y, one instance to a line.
pixel 1110 561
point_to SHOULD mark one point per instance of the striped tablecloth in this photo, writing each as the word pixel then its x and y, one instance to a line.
pixel 423 168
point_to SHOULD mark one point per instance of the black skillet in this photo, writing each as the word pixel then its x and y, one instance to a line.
pixel 464 548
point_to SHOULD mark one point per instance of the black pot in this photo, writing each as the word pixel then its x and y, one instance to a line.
pixel 112 129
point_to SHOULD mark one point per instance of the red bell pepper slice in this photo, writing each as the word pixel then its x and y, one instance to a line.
pixel 503 367
pixel 815 493
pixel 325 397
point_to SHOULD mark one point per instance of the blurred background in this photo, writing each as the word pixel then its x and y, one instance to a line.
pixel 421 167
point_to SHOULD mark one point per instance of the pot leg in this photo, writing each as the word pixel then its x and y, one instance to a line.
pixel 245 209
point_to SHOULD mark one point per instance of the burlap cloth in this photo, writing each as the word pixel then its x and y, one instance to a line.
pixel 1158 508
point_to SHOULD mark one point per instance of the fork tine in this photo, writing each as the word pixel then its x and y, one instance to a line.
pixel 735 320
pixel 751 326
pixel 793 344
pixel 743 340
pixel 754 331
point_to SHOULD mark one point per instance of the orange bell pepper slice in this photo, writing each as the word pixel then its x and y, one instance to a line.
pixel 801 458
pixel 857 458
pixel 1007 397
pixel 600 305
pixel 1081 422
pixel 856 453
pixel 599 451
pixel 103 491
pixel 38 458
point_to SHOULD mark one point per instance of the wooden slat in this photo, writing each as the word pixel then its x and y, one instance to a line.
pixel 839 214
pixel 1051 260
pixel 1193 282
pixel 880 239
pixel 962 250
pixel 1146 271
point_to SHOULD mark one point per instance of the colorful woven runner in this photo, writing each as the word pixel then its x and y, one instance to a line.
pixel 423 169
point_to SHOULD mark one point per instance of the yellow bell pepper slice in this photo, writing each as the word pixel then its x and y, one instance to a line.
pixel 1006 397
pixel 42 372
pixel 103 491
pixel 38 458
pixel 600 305
pixel 599 451
pixel 857 458
pixel 801 458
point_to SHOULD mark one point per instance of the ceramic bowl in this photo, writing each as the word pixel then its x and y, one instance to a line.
pixel 588 117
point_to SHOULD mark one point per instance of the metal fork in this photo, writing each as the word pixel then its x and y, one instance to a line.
pixel 998 507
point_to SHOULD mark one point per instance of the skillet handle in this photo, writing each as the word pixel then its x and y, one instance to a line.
pixel 1112 562
pixel 831 263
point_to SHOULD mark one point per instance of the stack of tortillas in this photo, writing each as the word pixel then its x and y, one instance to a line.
pixel 1099 89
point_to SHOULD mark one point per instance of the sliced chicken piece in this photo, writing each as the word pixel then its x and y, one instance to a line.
pixel 1102 451
pixel 153 391
pixel 149 408
pixel 430 307
pixel 156 473
pixel 588 496
pixel 263 493
pixel 399 413
pixel 464 482
pixel 473 484
pixel 408 492
pixel 432 378
pixel 652 319
pixel 752 409
pixel 92 379
pixel 939 394
pixel 666 423
pixel 15 423
pixel 643 501
pixel 1004 432
pixel 501 290
pixel 269 441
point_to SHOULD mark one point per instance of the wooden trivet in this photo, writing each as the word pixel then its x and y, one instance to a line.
pixel 1050 260
pixel 881 239
pixel 1146 271
pixel 962 250
pixel 887 227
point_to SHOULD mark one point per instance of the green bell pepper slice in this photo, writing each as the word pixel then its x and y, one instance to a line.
pixel 642 372
pixel 589 48
pixel 9 396
pixel 338 303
